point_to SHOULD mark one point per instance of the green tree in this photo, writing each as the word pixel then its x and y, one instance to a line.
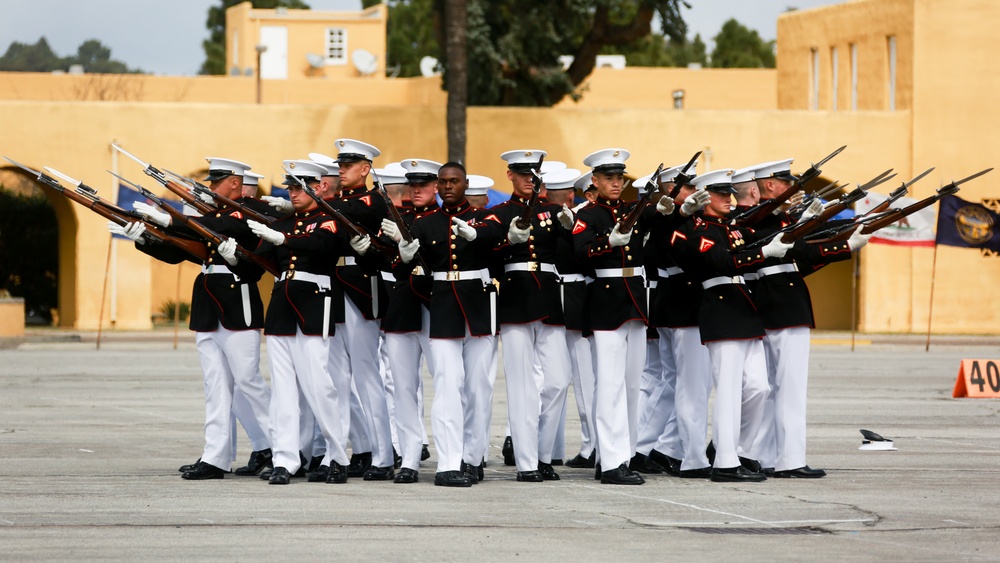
pixel 657 50
pixel 215 45
pixel 91 54
pixel 411 35
pixel 29 250
pixel 737 46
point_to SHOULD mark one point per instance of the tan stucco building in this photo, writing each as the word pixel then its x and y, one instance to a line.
pixel 926 106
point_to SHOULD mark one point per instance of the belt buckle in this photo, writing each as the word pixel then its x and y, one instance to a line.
pixel 290 275
pixel 418 271
pixel 628 272
pixel 453 275
pixel 342 261
pixel 533 266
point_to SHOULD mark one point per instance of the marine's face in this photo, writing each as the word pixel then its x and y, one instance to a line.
pixel 609 185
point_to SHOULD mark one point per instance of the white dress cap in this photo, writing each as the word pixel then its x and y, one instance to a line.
pixel 389 176
pixel 251 178
pixel 781 169
pixel 521 160
pixel 332 167
pixel 219 168
pixel 720 181
pixel 479 185
pixel 560 179
pixel 552 166
pixel 583 181
pixel 420 170
pixel 350 150
pixel 744 174
pixel 306 169
pixel 607 160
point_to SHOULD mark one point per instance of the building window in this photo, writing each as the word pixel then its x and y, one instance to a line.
pixel 814 80
pixel 336 46
pixel 834 67
pixel 892 72
pixel 854 77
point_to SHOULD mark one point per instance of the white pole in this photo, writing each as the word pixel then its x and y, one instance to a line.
pixel 114 247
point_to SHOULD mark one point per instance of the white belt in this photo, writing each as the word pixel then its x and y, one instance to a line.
pixel 712 282
pixel 779 269
pixel 570 278
pixel 347 261
pixel 619 272
pixel 531 267
pixel 751 276
pixel 387 276
pixel 454 275
pixel 672 271
pixel 321 280
pixel 215 269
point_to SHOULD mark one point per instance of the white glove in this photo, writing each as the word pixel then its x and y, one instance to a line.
pixel 775 248
pixel 565 217
pixel 360 244
pixel 695 202
pixel 407 250
pixel 814 209
pixel 618 238
pixel 227 249
pixel 797 198
pixel 153 214
pixel 205 198
pixel 281 204
pixel 858 240
pixel 131 231
pixel 390 230
pixel 270 235
pixel 517 235
pixel 462 229
pixel 665 206
pixel 579 206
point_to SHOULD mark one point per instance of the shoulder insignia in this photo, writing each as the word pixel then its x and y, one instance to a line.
pixel 677 235
pixel 491 217
pixel 579 227
pixel 706 243
pixel 236 214
pixel 329 225
pixel 367 199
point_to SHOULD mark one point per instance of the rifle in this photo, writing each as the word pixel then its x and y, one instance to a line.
pixel 404 229
pixel 822 193
pixel 524 221
pixel 682 177
pixel 355 229
pixel 627 222
pixel 174 187
pixel 204 231
pixel 753 215
pixel 795 231
pixel 221 200
pixel 87 197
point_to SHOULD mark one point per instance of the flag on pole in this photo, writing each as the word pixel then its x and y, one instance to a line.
pixel 127 196
pixel 913 230
pixel 967 225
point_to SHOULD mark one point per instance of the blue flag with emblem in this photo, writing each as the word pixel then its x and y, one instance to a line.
pixel 966 224
pixel 127 196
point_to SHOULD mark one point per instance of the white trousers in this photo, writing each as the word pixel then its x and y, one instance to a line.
pixel 694 386
pixel 461 382
pixel 385 370
pixel 619 356
pixel 299 372
pixel 243 411
pixel 352 416
pixel 582 371
pixel 229 360
pixel 361 342
pixel 534 408
pixel 740 377
pixel 658 418
pixel 781 443
pixel 404 351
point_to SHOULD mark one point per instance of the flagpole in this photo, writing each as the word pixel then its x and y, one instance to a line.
pixel 177 304
pixel 854 299
pixel 104 290
pixel 930 307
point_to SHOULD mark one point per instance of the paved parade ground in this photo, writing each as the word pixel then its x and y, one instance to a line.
pixel 91 441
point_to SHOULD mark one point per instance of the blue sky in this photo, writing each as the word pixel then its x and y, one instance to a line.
pixel 165 37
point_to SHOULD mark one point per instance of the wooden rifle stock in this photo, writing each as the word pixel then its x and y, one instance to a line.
pixel 627 223
pixel 185 195
pixel 355 229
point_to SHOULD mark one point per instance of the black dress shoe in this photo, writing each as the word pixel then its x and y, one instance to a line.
pixel 508 452
pixel 738 474
pixel 451 479
pixel 338 474
pixel 303 464
pixel 407 475
pixel 710 453
pixel 556 462
pixel 804 472
pixel 597 471
pixel 480 473
pixel 548 474
pixel 671 466
pixel 266 474
pixel 280 476
pixel 769 472
pixel 580 462
pixel 621 475
pixel 189 466
pixel 378 474
pixel 397 460
pixel 203 471
pixel 751 464
pixel 642 464
pixel 425 453
pixel 315 463
pixel 259 460
pixel 359 464
pixel 320 475
pixel 530 476
pixel 470 472
pixel 700 473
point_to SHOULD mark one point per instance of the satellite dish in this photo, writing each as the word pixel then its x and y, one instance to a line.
pixel 429 67
pixel 365 62
pixel 315 61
